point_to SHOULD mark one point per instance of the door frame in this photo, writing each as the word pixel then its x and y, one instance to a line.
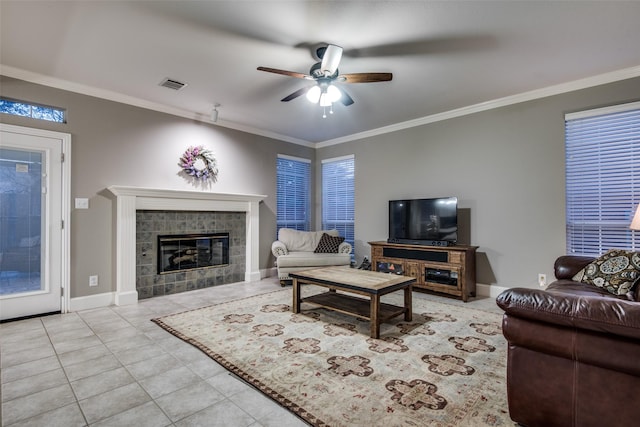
pixel 65 256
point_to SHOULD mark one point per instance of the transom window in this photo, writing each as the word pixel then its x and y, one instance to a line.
pixel 34 111
pixel 602 179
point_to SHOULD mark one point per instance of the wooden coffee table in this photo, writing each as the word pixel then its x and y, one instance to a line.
pixel 371 284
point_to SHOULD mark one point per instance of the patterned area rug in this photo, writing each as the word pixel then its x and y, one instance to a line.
pixel 445 368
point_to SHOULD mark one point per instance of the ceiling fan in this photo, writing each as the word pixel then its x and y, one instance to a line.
pixel 324 74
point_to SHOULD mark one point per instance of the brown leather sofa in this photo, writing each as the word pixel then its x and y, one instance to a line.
pixel 573 352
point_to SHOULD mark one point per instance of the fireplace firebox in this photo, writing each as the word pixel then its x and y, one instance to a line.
pixel 182 252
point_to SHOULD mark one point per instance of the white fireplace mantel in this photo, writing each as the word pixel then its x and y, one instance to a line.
pixel 130 199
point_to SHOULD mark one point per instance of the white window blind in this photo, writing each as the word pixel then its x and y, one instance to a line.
pixel 338 197
pixel 602 179
pixel 293 193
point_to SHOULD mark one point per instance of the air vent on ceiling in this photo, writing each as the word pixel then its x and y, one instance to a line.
pixel 172 84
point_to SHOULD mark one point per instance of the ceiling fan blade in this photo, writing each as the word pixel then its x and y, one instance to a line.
pixel 345 99
pixel 446 44
pixel 331 59
pixel 285 73
pixel 297 93
pixel 365 77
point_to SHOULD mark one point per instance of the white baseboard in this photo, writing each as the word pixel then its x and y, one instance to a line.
pixel 269 272
pixel 92 301
pixel 491 291
pixel 126 298
pixel 250 276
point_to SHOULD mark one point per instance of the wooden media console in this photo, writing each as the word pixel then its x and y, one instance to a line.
pixel 446 269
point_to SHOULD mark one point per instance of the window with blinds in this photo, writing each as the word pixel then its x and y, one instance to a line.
pixel 602 179
pixel 338 199
pixel 293 193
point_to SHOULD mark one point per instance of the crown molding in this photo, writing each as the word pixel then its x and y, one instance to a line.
pixel 44 80
pixel 558 89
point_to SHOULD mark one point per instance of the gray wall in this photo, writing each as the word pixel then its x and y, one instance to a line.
pixel 505 165
pixel 117 144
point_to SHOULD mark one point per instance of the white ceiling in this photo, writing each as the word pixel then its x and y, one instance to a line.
pixel 444 55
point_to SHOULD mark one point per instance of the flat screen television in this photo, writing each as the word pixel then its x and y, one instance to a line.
pixel 424 221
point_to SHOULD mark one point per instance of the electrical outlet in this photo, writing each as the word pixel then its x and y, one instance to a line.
pixel 93 280
pixel 542 279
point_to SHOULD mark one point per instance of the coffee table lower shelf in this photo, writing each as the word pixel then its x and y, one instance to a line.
pixel 359 307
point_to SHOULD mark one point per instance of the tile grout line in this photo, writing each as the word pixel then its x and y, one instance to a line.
pixel 86 422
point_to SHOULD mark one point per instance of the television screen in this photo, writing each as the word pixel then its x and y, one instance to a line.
pixel 422 221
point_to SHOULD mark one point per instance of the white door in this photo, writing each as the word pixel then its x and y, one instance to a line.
pixel 32 244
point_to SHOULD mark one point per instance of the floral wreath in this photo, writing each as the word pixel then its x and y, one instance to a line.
pixel 199 163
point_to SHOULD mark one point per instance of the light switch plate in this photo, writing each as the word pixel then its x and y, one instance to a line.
pixel 82 203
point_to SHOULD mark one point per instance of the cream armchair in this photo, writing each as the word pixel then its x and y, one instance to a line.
pixel 301 250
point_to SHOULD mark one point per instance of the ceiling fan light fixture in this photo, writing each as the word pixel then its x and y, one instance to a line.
pixel 324 73
pixel 334 93
pixel 325 100
pixel 313 94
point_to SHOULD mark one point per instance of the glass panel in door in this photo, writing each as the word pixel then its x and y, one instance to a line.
pixel 21 225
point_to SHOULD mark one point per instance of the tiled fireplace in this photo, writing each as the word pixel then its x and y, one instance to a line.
pixel 178 251
pixel 129 200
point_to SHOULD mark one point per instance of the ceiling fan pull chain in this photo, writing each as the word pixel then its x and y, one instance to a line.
pixel 324 112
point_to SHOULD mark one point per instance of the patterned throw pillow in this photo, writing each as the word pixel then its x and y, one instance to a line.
pixel 328 244
pixel 616 271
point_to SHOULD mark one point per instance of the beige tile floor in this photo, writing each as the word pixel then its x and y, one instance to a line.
pixel 113 367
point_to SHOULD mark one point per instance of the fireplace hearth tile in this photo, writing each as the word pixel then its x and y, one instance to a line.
pixel 151 224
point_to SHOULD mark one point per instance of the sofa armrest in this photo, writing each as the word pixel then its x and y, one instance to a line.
pixel 278 248
pixel 345 248
pixel 568 266
pixel 595 313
